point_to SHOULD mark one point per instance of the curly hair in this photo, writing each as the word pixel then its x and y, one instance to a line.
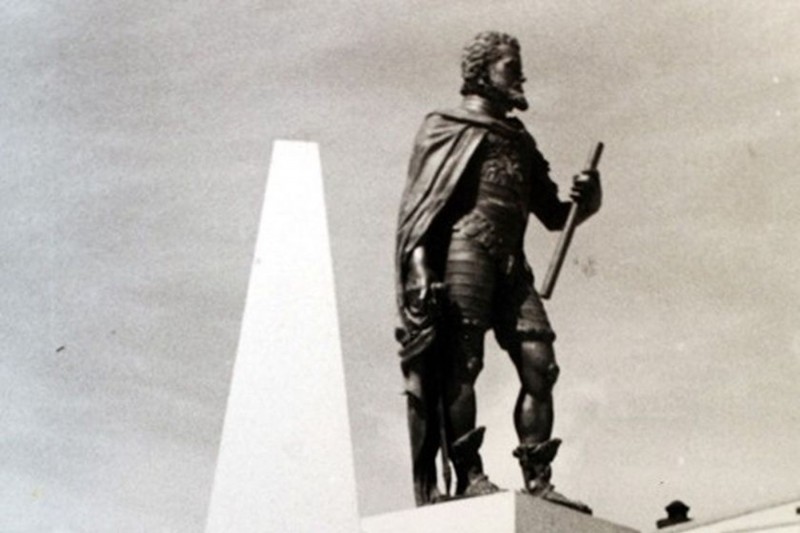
pixel 477 56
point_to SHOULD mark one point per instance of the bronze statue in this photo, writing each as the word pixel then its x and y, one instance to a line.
pixel 475 174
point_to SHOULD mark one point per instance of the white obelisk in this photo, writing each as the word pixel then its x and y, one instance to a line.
pixel 285 459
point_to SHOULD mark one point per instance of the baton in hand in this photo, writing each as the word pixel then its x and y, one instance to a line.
pixel 566 235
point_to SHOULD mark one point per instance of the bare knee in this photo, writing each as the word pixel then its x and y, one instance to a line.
pixel 467 355
pixel 537 368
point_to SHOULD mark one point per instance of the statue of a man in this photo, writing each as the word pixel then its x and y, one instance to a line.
pixel 475 175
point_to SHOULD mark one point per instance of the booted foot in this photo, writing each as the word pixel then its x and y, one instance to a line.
pixel 480 486
pixel 535 459
pixel 542 453
pixel 471 481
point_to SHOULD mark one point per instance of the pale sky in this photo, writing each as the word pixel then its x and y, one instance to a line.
pixel 136 140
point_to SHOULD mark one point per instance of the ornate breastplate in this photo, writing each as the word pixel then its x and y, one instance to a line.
pixel 500 213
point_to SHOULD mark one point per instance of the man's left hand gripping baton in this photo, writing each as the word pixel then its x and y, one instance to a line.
pixel 566 235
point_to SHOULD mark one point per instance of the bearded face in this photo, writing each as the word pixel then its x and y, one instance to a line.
pixel 491 67
pixel 505 79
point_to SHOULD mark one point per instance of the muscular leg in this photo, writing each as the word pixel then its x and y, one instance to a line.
pixel 533 412
pixel 466 362
pixel 533 420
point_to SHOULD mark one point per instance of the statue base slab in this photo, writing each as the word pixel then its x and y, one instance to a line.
pixel 504 512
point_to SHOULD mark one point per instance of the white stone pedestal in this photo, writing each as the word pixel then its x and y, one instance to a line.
pixel 505 512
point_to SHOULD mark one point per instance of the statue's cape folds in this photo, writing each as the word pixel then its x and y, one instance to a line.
pixel 443 148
